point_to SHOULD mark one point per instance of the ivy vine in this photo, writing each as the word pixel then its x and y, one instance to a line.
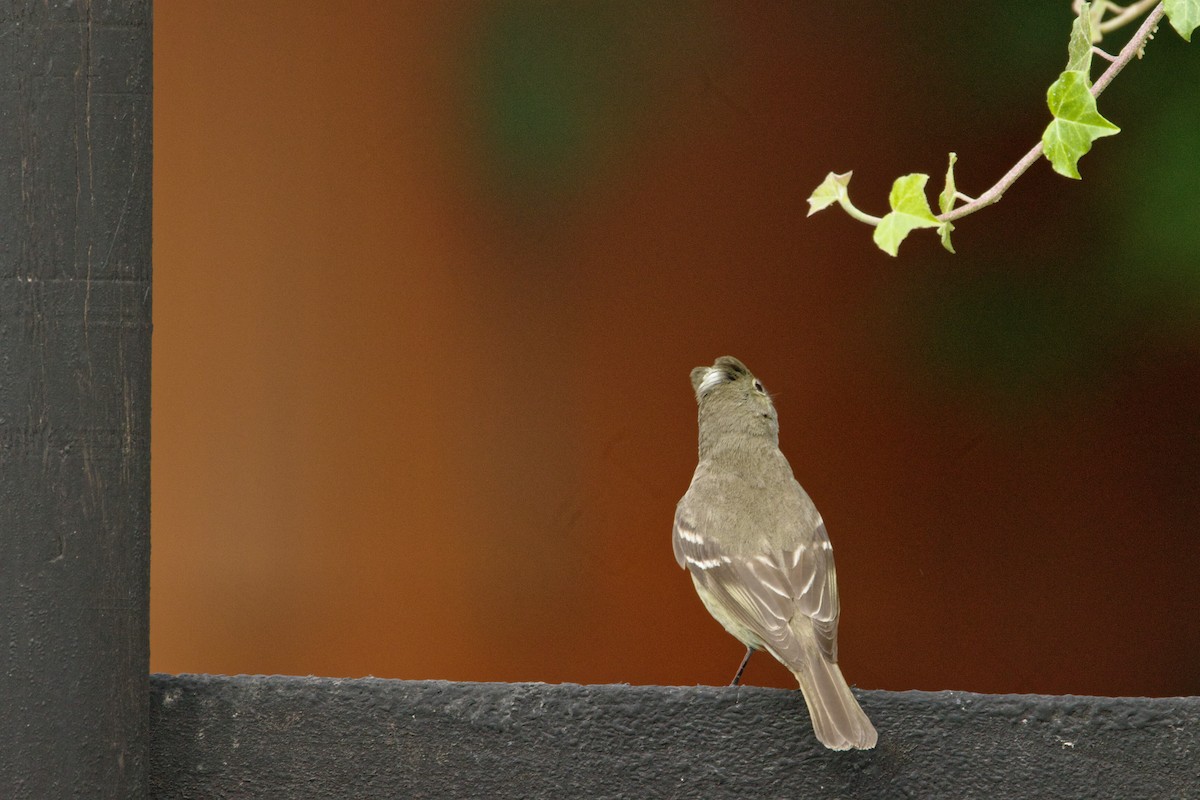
pixel 1076 123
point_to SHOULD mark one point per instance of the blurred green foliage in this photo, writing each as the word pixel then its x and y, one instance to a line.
pixel 1152 207
pixel 554 93
pixel 564 90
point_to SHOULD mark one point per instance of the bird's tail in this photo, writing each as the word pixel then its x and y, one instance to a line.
pixel 837 719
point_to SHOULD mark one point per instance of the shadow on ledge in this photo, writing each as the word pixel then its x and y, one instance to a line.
pixel 272 736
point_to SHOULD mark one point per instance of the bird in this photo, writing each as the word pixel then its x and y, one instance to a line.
pixel 758 551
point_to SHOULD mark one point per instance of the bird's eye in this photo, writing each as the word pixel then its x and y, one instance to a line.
pixel 758 387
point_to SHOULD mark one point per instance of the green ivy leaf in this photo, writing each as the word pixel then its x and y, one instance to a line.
pixel 1095 17
pixel 1076 123
pixel 946 202
pixel 946 198
pixel 1079 49
pixel 832 190
pixel 1184 16
pixel 910 210
pixel 944 231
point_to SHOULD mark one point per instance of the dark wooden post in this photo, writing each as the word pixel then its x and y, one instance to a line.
pixel 75 165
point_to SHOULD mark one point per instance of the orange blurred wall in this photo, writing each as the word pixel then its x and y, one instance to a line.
pixel 429 281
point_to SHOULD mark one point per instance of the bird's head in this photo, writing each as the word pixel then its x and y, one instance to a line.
pixel 732 400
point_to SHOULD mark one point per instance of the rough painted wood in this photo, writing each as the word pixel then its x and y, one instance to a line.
pixel 256 736
pixel 75 160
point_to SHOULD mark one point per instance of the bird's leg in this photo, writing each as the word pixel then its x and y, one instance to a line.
pixel 738 677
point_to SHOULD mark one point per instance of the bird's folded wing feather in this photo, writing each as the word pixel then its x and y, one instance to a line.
pixel 767 591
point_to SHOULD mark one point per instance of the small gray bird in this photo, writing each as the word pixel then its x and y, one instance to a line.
pixel 758 552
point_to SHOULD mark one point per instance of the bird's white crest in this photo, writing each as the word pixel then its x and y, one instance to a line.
pixel 713 377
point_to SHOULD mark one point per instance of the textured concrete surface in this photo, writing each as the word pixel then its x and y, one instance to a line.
pixel 272 736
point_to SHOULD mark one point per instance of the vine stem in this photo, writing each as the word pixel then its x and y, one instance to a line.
pixel 861 216
pixel 1126 15
pixel 1131 50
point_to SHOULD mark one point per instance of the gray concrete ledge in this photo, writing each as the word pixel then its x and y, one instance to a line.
pixel 272 736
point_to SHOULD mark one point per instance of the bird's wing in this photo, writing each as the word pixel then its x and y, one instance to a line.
pixel 764 592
